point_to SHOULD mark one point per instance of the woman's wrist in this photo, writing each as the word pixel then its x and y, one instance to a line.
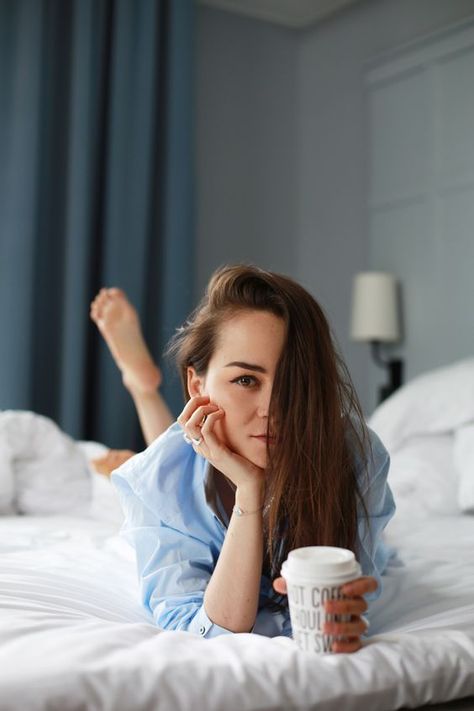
pixel 250 498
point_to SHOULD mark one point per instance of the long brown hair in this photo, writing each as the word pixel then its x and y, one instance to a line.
pixel 312 491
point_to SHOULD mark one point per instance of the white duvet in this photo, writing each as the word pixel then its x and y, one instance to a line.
pixel 74 636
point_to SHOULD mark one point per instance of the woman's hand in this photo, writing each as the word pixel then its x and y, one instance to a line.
pixel 200 421
pixel 353 604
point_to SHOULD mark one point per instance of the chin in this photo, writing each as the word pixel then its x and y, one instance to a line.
pixel 258 458
pixel 259 461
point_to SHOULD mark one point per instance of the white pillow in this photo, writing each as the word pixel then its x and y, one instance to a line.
pixel 423 477
pixel 49 471
pixel 464 462
pixel 438 401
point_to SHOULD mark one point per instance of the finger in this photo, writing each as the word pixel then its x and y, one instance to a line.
pixel 206 444
pixel 208 434
pixel 361 586
pixel 352 606
pixel 193 426
pixel 345 629
pixel 190 407
pixel 352 644
pixel 279 585
pixel 199 416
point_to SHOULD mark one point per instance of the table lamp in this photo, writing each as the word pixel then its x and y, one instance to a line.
pixel 375 319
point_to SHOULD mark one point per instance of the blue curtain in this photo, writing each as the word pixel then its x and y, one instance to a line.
pixel 96 189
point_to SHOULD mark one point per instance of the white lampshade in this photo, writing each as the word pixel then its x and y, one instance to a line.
pixel 375 307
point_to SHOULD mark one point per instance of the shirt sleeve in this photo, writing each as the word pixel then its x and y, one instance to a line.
pixel 174 567
pixel 373 552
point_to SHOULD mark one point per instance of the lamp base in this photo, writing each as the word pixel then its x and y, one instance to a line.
pixel 395 368
pixel 384 392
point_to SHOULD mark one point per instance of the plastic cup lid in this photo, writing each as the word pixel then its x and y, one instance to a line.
pixel 322 562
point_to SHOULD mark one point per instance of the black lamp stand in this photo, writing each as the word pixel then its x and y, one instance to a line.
pixel 395 371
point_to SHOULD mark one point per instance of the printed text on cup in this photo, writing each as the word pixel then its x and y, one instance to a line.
pixel 308 615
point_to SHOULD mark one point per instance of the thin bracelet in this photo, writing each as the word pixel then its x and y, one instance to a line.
pixel 238 511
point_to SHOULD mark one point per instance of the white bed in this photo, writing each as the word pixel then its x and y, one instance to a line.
pixel 74 636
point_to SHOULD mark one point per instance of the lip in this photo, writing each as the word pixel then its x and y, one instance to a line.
pixel 264 438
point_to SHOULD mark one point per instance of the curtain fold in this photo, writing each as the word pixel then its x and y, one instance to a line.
pixel 96 181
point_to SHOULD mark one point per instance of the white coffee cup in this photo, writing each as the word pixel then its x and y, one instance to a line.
pixel 313 575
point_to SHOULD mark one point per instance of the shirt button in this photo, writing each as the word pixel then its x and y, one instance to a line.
pixel 202 630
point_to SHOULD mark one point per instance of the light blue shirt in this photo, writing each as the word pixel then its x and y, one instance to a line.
pixel 178 534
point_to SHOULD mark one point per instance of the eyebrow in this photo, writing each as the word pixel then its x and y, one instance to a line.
pixel 246 366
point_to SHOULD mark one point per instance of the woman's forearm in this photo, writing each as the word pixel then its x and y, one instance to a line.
pixel 232 595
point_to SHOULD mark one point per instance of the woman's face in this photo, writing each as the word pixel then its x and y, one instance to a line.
pixel 240 378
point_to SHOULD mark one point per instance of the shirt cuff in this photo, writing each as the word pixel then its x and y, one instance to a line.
pixel 202 626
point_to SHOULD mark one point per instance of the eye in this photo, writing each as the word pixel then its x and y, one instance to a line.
pixel 246 381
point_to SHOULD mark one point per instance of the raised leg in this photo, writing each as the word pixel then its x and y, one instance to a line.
pixel 118 322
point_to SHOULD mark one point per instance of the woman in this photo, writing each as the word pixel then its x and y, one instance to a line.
pixel 270 453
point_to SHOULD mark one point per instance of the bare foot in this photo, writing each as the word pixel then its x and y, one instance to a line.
pixel 112 460
pixel 118 322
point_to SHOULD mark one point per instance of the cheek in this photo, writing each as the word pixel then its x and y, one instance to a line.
pixel 236 408
pixel 219 397
pixel 232 400
pixel 229 426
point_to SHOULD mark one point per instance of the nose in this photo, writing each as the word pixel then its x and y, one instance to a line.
pixel 263 406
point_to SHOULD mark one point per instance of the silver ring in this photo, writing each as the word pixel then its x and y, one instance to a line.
pixel 186 438
pixel 197 441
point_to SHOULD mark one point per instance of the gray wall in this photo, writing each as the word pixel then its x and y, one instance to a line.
pixel 246 143
pixel 282 146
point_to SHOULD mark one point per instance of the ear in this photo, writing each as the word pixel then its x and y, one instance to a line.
pixel 195 383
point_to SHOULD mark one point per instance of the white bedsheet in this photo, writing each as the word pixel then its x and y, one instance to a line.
pixel 73 635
